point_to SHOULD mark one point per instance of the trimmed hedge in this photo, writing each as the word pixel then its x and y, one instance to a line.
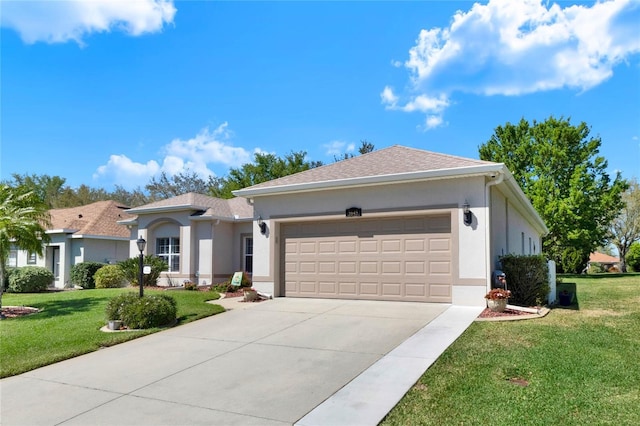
pixel 109 276
pixel 7 274
pixel 142 312
pixel 527 278
pixel 30 279
pixel 82 274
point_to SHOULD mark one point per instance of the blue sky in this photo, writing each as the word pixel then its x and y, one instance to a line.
pixel 113 92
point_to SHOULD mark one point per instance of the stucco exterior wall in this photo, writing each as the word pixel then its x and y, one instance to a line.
pixel 511 232
pixel 380 201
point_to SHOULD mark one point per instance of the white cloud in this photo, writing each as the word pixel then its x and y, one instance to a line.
pixel 62 21
pixel 433 121
pixel 339 147
pixel 508 47
pixel 195 155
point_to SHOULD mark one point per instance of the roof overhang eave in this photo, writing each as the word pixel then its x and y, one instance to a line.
pixel 371 180
pixel 511 183
pixel 138 210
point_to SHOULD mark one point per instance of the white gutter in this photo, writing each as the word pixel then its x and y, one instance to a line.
pixel 166 208
pixel 369 180
pixel 487 225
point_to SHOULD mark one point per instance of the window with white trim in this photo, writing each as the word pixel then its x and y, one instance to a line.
pixel 32 258
pixel 247 254
pixel 168 249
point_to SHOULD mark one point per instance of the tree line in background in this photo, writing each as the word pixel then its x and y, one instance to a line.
pixel 556 164
pixel 54 192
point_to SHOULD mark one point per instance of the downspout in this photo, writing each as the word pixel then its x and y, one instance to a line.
pixel 487 238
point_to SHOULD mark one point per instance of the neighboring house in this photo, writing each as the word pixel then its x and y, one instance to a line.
pixel 605 261
pixel 202 239
pixel 80 234
pixel 394 224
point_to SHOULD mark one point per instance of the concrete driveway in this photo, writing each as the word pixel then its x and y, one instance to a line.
pixel 311 361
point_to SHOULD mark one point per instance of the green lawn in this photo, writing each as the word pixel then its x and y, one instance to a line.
pixel 581 366
pixel 69 325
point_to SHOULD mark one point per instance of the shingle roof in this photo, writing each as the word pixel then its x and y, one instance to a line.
pixel 98 218
pixel 212 206
pixel 602 258
pixel 388 161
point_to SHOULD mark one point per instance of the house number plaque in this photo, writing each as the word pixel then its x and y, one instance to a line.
pixel 353 212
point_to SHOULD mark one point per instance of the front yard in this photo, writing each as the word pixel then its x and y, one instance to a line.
pixel 576 366
pixel 69 325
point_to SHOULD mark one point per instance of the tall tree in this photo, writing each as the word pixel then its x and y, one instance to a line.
pixel 625 229
pixel 264 168
pixel 47 188
pixel 166 187
pixel 365 147
pixel 23 220
pixel 558 167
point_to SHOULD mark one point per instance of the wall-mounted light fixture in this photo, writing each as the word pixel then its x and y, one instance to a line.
pixel 468 216
pixel 262 225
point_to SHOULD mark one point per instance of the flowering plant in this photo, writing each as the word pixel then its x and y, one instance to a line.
pixel 497 294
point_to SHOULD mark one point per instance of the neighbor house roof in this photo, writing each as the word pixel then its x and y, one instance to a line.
pixel 96 219
pixel 602 258
pixel 206 206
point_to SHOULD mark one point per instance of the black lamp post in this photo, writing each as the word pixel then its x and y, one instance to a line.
pixel 141 245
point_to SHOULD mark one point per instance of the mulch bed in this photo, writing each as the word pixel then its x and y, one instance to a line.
pixel 17 311
pixel 488 313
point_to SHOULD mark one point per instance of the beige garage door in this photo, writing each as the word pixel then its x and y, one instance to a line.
pixel 406 258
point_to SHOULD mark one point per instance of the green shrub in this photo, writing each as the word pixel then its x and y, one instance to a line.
pixel 109 276
pixel 142 312
pixel 30 279
pixel 7 274
pixel 82 274
pixel 595 268
pixel 633 257
pixel 131 269
pixel 527 278
pixel 226 286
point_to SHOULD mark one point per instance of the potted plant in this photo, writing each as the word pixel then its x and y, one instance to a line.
pixel 565 298
pixel 497 299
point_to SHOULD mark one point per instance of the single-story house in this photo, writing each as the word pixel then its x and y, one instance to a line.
pixel 395 224
pixel 605 261
pixel 79 234
pixel 203 239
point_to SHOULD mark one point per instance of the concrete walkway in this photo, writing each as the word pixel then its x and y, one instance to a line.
pixel 279 362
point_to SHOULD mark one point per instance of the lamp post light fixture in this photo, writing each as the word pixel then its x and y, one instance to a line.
pixel 141 245
pixel 468 216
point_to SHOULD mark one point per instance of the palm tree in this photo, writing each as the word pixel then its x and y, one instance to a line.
pixel 23 221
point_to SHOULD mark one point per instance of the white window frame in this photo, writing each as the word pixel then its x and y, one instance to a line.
pixel 247 258
pixel 168 249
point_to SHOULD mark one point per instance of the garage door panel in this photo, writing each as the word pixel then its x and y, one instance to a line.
pixel 346 247
pixel 369 288
pixel 348 267
pixel 391 246
pixel 326 267
pixel 415 268
pixel 347 288
pixel 368 267
pixel 327 247
pixel 383 259
pixel 327 287
pixel 419 290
